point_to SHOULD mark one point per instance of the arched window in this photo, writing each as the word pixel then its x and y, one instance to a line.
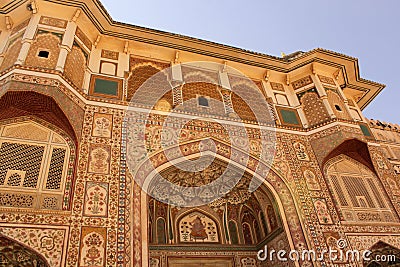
pixel 247 235
pixel 34 164
pixel 357 190
pixel 233 233
pixel 161 233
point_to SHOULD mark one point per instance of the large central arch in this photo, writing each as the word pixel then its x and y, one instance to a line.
pixel 274 183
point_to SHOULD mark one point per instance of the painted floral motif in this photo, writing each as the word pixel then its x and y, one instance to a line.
pixel 154 262
pixel 99 160
pixel 301 151
pixel 93 250
pixel 248 262
pixel 102 125
pixel 311 180
pixel 322 211
pixel 397 169
pixel 96 199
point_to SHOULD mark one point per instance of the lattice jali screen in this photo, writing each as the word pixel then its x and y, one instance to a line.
pixel 56 168
pixel 33 166
pixel 358 191
pixel 23 157
pixel 26 131
pixel 17 200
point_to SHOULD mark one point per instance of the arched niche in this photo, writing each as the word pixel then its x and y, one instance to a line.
pixel 13 253
pixel 383 255
pixel 357 191
pixel 34 123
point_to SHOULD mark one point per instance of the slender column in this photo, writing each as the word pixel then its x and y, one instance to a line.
pixel 294 100
pixel 66 45
pixel 4 36
pixel 346 102
pixel 27 39
pixel 323 96
pixel 302 116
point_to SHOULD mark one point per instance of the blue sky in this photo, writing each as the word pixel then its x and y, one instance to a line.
pixel 366 29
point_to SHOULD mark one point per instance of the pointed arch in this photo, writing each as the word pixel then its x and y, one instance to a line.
pixel 357 191
pixel 387 255
pixel 157 162
pixel 13 253
pixel 14 104
pixel 33 120
pixel 354 149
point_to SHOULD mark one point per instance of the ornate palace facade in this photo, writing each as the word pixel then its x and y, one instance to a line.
pixel 91 109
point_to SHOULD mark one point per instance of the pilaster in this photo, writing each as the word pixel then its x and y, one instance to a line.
pixel 27 39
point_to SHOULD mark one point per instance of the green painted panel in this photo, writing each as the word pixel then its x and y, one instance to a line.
pixel 106 87
pixel 289 116
pixel 365 130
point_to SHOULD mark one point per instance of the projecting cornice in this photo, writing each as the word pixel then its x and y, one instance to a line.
pixel 349 78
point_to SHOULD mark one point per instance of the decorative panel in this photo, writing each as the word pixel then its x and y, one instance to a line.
pixel 17 200
pixel 99 159
pixel 84 39
pixel 54 22
pixel 12 53
pixel 109 54
pixel 337 104
pixel 311 180
pixel 325 79
pixel 106 87
pixel 55 173
pixel 357 191
pixel 102 125
pixel 75 66
pixel 322 211
pixel 313 107
pixel 47 42
pixel 197 227
pixel 96 199
pixel 302 82
pixel 142 69
pixel 277 87
pixel 93 247
pixel 288 116
pixel 26 131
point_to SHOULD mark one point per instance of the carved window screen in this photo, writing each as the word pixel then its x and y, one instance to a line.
pixel 357 190
pixel 33 165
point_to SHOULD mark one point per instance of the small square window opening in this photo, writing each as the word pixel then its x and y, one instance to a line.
pixel 43 54
pixel 203 101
